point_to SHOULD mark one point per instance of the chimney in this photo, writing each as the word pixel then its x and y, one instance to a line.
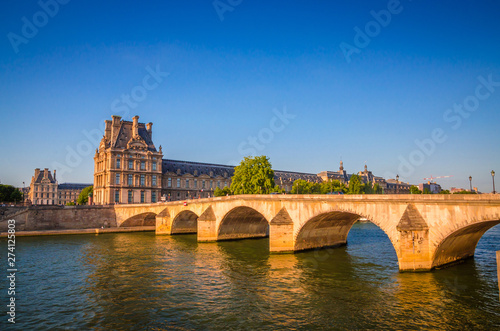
pixel 135 126
pixel 54 175
pixel 107 130
pixel 46 173
pixel 37 173
pixel 148 127
pixel 115 127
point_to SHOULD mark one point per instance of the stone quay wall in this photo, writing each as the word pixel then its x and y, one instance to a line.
pixel 36 218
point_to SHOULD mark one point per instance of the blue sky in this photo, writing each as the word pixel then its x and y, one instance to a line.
pixel 227 80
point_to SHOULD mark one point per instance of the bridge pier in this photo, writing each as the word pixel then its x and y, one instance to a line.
pixel 207 226
pixel 163 225
pixel 281 238
pixel 413 248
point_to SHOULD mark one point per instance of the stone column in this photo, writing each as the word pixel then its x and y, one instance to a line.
pixel 414 246
pixel 163 223
pixel 207 226
pixel 281 238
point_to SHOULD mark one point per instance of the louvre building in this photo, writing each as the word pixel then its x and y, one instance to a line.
pixel 128 168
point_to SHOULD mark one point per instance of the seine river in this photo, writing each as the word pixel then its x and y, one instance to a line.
pixel 139 281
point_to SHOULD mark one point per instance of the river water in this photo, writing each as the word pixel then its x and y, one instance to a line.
pixel 131 281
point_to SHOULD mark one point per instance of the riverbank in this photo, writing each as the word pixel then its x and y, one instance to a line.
pixel 79 231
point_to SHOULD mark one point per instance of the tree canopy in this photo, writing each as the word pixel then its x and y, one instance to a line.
pixel 220 193
pixel 301 186
pixel 415 190
pixel 254 175
pixel 355 185
pixel 83 197
pixel 9 193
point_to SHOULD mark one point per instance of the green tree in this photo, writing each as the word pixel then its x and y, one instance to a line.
pixel 83 197
pixel 9 193
pixel 355 185
pixel 71 203
pixel 427 191
pixel 332 186
pixel 465 192
pixel 445 192
pixel 367 188
pixel 254 175
pixel 415 190
pixel 377 189
pixel 222 192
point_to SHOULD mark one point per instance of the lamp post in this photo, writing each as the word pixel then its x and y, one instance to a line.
pixel 493 178
pixel 470 180
pixel 397 184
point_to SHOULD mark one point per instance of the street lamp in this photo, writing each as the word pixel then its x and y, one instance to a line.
pixel 470 180
pixel 493 177
pixel 397 184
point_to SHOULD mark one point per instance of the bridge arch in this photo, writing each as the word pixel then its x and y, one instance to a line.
pixel 243 222
pixel 461 243
pixel 142 219
pixel 185 222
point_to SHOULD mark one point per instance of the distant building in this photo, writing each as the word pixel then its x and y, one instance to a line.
pixel 394 186
pixel 433 188
pixel 44 189
pixel 69 192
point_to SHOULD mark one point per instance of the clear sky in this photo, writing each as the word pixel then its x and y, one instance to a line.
pixel 410 87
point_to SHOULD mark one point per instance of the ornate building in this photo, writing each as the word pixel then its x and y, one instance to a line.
pixel 127 165
pixel 44 189
pixel 129 169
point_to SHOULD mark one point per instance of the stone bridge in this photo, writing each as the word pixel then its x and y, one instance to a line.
pixel 427 231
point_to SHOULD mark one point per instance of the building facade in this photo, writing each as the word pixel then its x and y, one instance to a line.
pixel 44 189
pixel 127 165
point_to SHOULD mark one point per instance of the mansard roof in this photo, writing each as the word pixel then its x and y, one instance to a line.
pixel 292 176
pixel 187 167
pixel 72 186
pixel 38 180
pixel 125 134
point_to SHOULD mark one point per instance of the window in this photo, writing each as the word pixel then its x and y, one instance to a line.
pixel 143 180
pixel 154 166
pixel 130 180
pixel 153 197
pixel 117 196
pixel 142 196
pixel 218 183
pixel 169 182
pixel 131 164
pixel 178 182
pixel 130 196
pixel 195 183
pixel 117 179
pixel 187 183
pixel 211 184
pixel 153 180
pixel 118 163
pixel 203 184
pixel 143 165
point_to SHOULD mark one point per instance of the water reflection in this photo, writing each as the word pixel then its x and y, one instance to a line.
pixel 141 281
